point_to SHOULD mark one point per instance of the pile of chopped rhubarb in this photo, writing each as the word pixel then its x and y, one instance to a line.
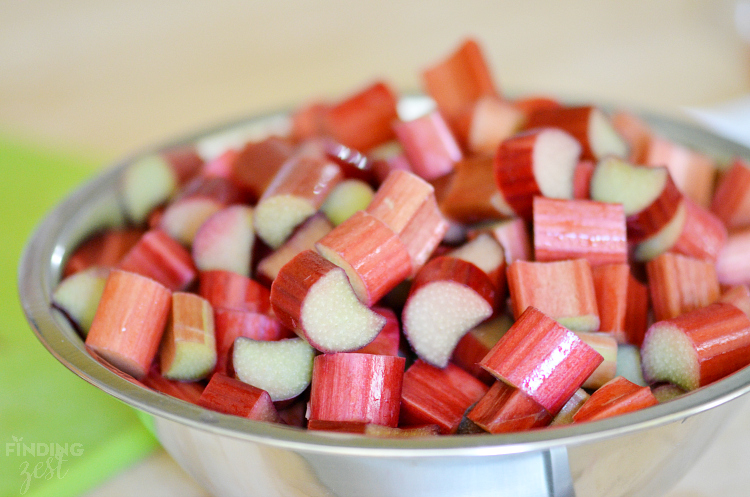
pixel 489 265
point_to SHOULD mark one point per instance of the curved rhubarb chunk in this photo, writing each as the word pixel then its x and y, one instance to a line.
pixel 486 123
pixel 448 297
pixel 145 184
pixel 229 396
pixel 130 322
pixel 225 241
pixel 731 199
pixel 102 249
pixel 703 234
pixel 543 359
pixel 388 341
pixel 618 396
pixel 469 192
pixel 732 266
pixel 256 164
pixel 78 296
pixel 505 409
pixel 160 257
pixel 474 345
pixel 227 289
pixel 606 346
pixel 231 324
pixel 188 347
pixel 429 145
pixel 313 297
pixel 697 348
pixel 679 284
pixel 357 387
pixel 346 198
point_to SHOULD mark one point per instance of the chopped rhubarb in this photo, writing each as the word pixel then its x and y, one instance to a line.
pixel 637 311
pixel 618 396
pixel 698 347
pixel 231 324
pixel 225 241
pixel 297 191
pixel 354 164
pixel 185 161
pixel 487 254
pixel 532 103
pixel 505 409
pixel 229 396
pixel 564 290
pixel 737 295
pixel 629 363
pixel 432 395
pixel 731 199
pixel 606 346
pixel 543 359
pixel 611 286
pixel 313 297
pixel 373 256
pixel 102 249
pixel 733 265
pixel 429 145
pixel 573 229
pixel 256 164
pixel 226 289
pixel 448 297
pixel 703 234
pixel 77 296
pixel 536 162
pixel 582 179
pixel 485 124
pixel 664 239
pixel 144 185
pixel 475 345
pixel 188 346
pixel 309 121
pixel 388 341
pixel 565 416
pixel 514 237
pixel 160 257
pixel 189 391
pixel 635 131
pixel 679 284
pixel 220 166
pixel 129 322
pixel 357 387
pixel 469 192
pixel 346 198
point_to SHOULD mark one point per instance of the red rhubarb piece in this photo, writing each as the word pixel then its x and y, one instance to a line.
pixel 188 346
pixel 733 265
pixel 637 311
pixel 543 359
pixel 102 249
pixel 731 199
pixel 703 234
pixel 225 241
pixel 487 254
pixel 514 237
pixel 470 190
pixel 432 395
pixel 448 297
pixel 129 322
pixel 505 409
pixel 184 161
pixel 388 341
pixel 231 324
pixel 697 348
pixel 227 289
pixel 739 296
pixel 636 132
pixel 429 145
pixel 474 345
pixel 582 179
pixel 618 396
pixel 574 229
pixel 357 387
pixel 611 286
pixel 679 284
pixel 564 290
pixel 229 396
pixel 313 297
pixel 533 163
pixel 532 103
pixel 256 164
pixel 160 257
pixel 489 121
pixel 221 165
pixel 189 391
pixel 606 346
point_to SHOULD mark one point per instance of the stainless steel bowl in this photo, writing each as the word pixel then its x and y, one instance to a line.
pixel 638 454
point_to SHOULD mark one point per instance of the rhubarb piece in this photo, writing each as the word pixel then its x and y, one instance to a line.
pixel 188 346
pixel 145 184
pixel 606 346
pixel 363 120
pixel 221 166
pixel 693 173
pixel 611 286
pixel 432 395
pixel 256 164
pixel 488 122
pixel 296 193
pixel 470 190
pixel 229 396
pixel 487 254
pixel 636 317
pixel 282 368
pixel 629 363
pixel 648 195
pixel 514 237
pixel 185 161
pixel 226 289
pixel 618 396
pixel 102 249
pixel 225 241
pixel 231 324
pixel 357 387
pixel 703 234
pixel 664 239
pixel 304 238
pixel 532 103
pixel 346 198
pixel 636 132
pixel 373 256
pixel 564 290
pixel 739 296
pixel 309 121
pixel 354 164
pixel 733 265
pixel 77 296
pixel 448 297
pixel 587 124
pixel 459 80
pixel 565 416
pixel 574 229
pixel 474 345
pixel 582 179
pixel 429 145
pixel 543 359
pixel 189 391
pixel 698 347
pixel 666 392
pixel 129 322
pixel 388 341
pixel 313 297
pixel 505 409
pixel 160 257
pixel 679 284
pixel 533 163
pixel 731 199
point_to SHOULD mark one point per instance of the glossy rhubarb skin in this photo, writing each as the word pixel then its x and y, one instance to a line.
pixel 313 297
pixel 504 409
pixel 373 256
pixel 732 265
pixel 227 289
pixel 188 346
pixel 354 164
pixel 102 249
pixel 130 321
pixel 611 286
pixel 357 387
pixel 679 284
pixel 698 347
pixel 573 229
pixel 536 162
pixel 564 290
pixel 543 359
pixel 448 298
pixel 158 256
pixel 637 311
pixel 256 164
pixel 229 396
pixel 703 234
pixel 429 145
pixel 231 324
pixel 467 198
pixel 438 396
pixel 618 396
pixel 731 198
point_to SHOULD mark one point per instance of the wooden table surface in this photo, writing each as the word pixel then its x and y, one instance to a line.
pixel 110 78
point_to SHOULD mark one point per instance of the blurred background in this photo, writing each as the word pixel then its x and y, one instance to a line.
pixel 97 80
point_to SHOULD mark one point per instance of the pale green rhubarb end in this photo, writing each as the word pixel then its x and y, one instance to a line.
pixel 668 355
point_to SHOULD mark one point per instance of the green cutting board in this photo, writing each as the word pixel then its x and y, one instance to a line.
pixel 44 407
